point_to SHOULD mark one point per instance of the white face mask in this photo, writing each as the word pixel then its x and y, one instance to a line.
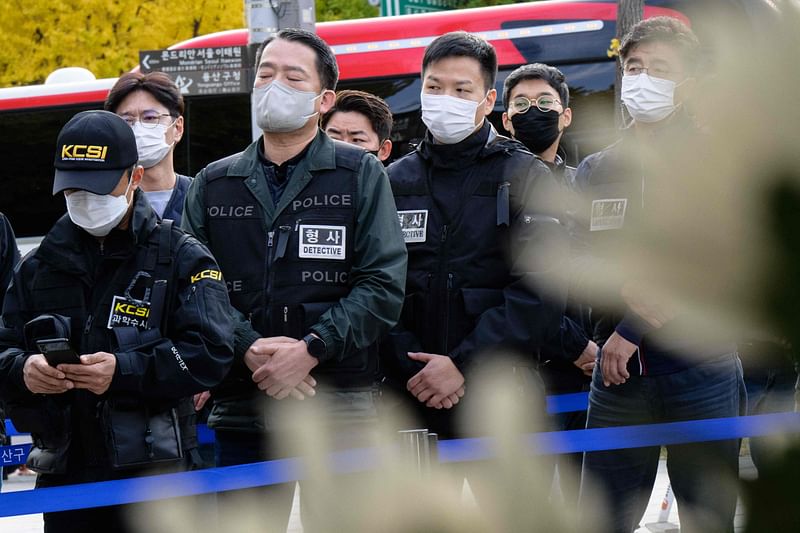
pixel 449 119
pixel 98 214
pixel 151 143
pixel 280 108
pixel 648 99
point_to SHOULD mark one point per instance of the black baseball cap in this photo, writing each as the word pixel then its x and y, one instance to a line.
pixel 93 151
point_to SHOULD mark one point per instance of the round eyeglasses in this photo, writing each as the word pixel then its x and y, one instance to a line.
pixel 544 103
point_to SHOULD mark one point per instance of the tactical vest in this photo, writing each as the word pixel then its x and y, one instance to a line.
pixel 59 293
pixel 284 276
pixel 456 269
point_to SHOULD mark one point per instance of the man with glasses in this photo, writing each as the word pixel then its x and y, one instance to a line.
pixel 152 105
pixel 654 366
pixel 536 99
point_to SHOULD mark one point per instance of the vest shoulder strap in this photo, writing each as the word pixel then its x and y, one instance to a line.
pixel 219 169
pixel 409 176
pixel 347 155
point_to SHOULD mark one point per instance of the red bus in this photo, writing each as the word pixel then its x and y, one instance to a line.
pixel 381 56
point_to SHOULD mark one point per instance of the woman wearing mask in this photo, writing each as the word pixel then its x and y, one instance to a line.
pixel 152 105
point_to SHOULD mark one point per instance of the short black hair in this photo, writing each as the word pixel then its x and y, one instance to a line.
pixel 158 84
pixel 373 107
pixel 667 30
pixel 327 68
pixel 463 44
pixel 537 71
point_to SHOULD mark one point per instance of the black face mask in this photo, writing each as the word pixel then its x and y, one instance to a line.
pixel 536 129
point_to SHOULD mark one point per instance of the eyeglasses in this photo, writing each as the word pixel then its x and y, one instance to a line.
pixel 544 103
pixel 658 72
pixel 148 119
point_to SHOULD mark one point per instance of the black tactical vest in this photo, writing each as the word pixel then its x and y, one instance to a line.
pixel 457 269
pixel 285 276
pixel 90 311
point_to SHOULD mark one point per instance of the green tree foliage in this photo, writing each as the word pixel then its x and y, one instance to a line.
pixel 101 35
pixel 105 36
pixel 344 10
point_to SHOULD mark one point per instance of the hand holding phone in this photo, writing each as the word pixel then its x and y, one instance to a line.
pixel 58 351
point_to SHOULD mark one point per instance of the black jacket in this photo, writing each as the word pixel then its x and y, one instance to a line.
pixel 9 255
pixel 78 277
pixel 616 187
pixel 484 241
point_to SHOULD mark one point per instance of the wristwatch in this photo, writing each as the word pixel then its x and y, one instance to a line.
pixel 316 346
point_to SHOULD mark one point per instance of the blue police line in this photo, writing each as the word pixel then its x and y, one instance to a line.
pixel 223 479
pixel 16 454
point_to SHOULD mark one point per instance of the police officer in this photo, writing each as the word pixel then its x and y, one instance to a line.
pixel 118 319
pixel 152 105
pixel 306 233
pixel 654 367
pixel 537 112
pixel 471 204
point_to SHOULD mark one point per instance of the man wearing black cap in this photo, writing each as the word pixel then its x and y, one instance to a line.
pixel 118 319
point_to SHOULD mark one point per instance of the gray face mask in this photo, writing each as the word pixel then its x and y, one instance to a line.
pixel 281 109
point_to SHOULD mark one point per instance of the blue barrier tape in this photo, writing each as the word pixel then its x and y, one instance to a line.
pixel 270 472
pixel 614 438
pixel 567 403
pixel 205 435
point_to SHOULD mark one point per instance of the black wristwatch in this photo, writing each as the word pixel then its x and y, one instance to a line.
pixel 316 346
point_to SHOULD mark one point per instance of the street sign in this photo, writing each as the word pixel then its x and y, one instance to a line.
pixel 199 71
pixel 390 8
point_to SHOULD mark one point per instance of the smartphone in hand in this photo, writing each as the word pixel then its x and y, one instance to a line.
pixel 58 351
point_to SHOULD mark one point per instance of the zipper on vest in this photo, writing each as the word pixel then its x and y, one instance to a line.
pixel 285 315
pixel 268 279
pixel 88 326
pixel 444 292
pixel 447 294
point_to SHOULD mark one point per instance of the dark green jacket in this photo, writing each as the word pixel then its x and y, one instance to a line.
pixel 377 279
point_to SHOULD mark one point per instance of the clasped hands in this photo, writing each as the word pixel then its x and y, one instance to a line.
pixel 281 366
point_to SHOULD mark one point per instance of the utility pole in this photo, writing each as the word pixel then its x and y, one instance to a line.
pixel 265 18
pixel 629 12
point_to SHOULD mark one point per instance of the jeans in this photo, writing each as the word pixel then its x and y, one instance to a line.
pixel 769 390
pixel 350 418
pixel 703 475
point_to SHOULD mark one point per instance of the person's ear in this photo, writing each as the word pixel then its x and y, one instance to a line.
pixel 326 101
pixel 136 177
pixel 507 123
pixel 178 130
pixel 566 118
pixel 385 150
pixel 488 105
